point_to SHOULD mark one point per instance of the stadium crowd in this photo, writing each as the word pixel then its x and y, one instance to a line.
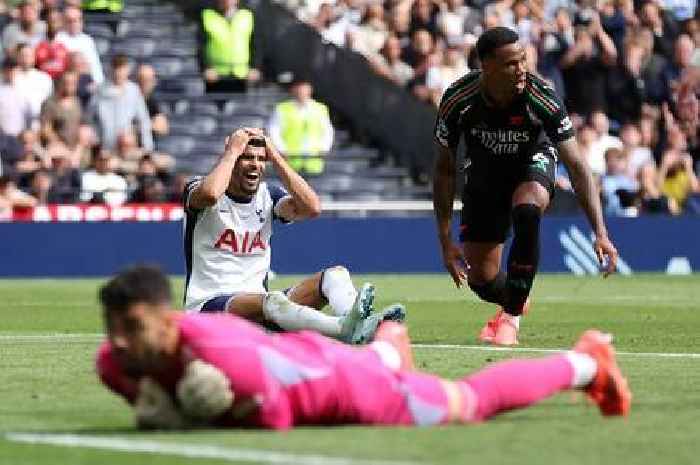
pixel 616 63
pixel 68 133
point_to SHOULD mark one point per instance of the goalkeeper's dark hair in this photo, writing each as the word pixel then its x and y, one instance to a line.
pixel 136 284
pixel 493 39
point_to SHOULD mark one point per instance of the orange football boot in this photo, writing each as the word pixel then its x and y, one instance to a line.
pixel 609 389
pixel 488 332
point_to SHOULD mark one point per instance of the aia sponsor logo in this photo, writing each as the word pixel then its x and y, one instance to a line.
pixel 240 244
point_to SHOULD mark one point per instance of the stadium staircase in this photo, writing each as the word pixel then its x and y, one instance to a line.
pixel 149 31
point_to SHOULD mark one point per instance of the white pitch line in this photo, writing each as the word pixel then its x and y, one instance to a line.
pixel 79 337
pixel 534 349
pixel 198 451
pixel 97 337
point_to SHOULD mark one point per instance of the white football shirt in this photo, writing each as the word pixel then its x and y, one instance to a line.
pixel 227 245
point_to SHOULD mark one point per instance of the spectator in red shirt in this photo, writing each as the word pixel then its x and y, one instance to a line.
pixel 51 55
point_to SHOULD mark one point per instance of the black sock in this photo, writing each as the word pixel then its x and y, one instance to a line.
pixel 523 257
pixel 493 291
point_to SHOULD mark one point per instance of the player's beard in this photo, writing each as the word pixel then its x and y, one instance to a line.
pixel 249 187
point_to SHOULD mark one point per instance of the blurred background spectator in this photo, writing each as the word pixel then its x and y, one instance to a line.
pixel 146 80
pixel 86 85
pixel 301 129
pixel 26 29
pixel 51 54
pixel 101 184
pixel 75 40
pixel 117 105
pixel 103 6
pixel 621 66
pixel 16 111
pixel 228 57
pixel 35 85
pixel 11 197
pixel 61 114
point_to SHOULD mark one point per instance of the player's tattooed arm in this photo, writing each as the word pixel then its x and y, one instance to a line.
pixel 444 191
pixel 213 186
pixel 303 202
pixel 443 200
pixel 589 198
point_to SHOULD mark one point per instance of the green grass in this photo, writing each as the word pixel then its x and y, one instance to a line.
pixel 48 385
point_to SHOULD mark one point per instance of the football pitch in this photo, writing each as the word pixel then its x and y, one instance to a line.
pixel 54 411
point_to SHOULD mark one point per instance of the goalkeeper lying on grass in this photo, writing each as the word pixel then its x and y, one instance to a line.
pixel 186 370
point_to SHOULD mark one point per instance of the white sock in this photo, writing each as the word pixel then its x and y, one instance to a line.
pixel 514 320
pixel 388 353
pixel 585 368
pixel 294 317
pixel 337 287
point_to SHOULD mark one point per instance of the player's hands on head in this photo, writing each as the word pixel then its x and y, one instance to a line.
pixel 606 253
pixel 236 143
pixel 453 258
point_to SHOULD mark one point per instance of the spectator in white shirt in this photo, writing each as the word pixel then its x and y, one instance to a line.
pixel 35 85
pixel 101 184
pixel 15 114
pixel 602 142
pixel 76 40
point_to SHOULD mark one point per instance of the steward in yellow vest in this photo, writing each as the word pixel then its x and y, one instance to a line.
pixel 109 6
pixel 227 47
pixel 302 130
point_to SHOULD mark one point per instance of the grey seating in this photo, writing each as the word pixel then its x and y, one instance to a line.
pixel 176 145
pixel 244 107
pixel 204 108
pixel 137 47
pixel 103 45
pixel 190 87
pixel 101 30
pixel 228 124
pixel 169 66
pixel 156 32
pixel 193 125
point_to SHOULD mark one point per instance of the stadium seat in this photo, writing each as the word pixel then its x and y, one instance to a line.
pixel 99 30
pixel 193 125
pixel 239 107
pixel 208 147
pixel 103 45
pixel 228 124
pixel 332 183
pixel 139 47
pixel 177 146
pixel 204 108
pixel 191 87
pixel 335 166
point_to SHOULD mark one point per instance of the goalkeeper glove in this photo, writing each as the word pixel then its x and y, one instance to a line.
pixel 155 409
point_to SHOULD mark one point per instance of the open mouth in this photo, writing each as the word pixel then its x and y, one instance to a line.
pixel 252 177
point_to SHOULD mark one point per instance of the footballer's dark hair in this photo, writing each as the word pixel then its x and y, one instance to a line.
pixel 137 284
pixel 495 38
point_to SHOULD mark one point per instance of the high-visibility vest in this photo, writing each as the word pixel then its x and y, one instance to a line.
pixel 115 6
pixel 302 133
pixel 227 48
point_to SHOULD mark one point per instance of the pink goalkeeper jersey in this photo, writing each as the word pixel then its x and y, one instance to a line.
pixel 287 379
